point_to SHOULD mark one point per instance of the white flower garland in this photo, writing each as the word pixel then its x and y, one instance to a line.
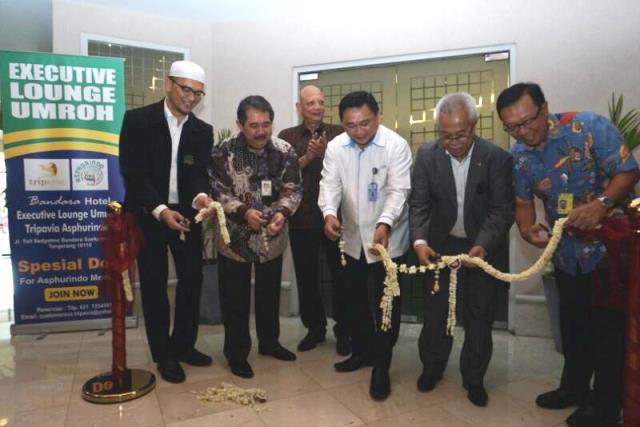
pixel 392 287
pixel 230 393
pixel 222 221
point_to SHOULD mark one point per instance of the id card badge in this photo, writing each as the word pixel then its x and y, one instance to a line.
pixel 373 192
pixel 265 188
pixel 565 203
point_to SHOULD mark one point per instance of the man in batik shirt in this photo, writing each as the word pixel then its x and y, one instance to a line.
pixel 257 180
pixel 579 166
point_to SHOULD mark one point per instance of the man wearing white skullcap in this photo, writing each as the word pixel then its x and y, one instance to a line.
pixel 164 149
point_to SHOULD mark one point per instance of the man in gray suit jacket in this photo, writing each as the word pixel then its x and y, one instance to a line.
pixel 461 202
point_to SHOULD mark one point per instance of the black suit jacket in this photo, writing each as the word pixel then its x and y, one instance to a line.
pixel 489 200
pixel 145 159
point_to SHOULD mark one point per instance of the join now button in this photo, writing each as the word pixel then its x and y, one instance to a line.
pixel 75 293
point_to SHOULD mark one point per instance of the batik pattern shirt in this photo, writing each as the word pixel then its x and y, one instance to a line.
pixel 238 174
pixel 582 151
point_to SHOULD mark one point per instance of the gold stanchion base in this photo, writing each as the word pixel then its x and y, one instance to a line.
pixel 105 388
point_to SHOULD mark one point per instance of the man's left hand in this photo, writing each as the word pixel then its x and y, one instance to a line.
pixel 381 236
pixel 476 251
pixel 587 216
pixel 276 225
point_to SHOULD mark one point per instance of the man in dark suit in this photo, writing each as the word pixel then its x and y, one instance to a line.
pixel 461 202
pixel 163 158
pixel 305 227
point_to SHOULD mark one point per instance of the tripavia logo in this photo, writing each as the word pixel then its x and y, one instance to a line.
pixel 90 174
pixel 46 174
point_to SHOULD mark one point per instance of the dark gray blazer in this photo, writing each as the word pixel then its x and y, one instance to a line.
pixel 489 199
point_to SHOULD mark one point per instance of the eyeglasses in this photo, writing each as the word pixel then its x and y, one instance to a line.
pixel 525 124
pixel 186 90
pixel 458 137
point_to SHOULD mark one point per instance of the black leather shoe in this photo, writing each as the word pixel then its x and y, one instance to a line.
pixel 380 387
pixel 427 382
pixel 241 369
pixel 477 394
pixel 310 341
pixel 558 399
pixel 194 358
pixel 343 346
pixel 171 371
pixel 278 352
pixel 352 364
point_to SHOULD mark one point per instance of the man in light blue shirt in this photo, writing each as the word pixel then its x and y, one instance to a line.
pixel 367 174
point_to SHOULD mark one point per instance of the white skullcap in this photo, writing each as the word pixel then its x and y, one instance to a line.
pixel 187 70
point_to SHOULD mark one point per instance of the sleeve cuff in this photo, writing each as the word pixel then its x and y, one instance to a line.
pixel 329 211
pixel 418 242
pixel 158 209
pixel 385 220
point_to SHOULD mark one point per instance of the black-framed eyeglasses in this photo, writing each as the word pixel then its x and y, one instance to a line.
pixel 186 90
pixel 458 137
pixel 525 124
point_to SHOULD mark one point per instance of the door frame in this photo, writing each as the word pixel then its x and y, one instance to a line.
pixel 296 72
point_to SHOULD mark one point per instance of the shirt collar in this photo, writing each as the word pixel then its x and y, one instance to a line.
pixel 467 157
pixel 377 140
pixel 171 119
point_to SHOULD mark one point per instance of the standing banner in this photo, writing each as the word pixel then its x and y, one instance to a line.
pixel 62 117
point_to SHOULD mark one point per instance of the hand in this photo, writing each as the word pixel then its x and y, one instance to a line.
pixel 332 228
pixel 174 220
pixel 537 235
pixel 476 251
pixel 317 145
pixel 586 217
pixel 254 218
pixel 380 236
pixel 424 254
pixel 203 202
pixel 276 225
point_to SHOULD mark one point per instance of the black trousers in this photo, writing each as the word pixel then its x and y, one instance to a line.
pixel 152 266
pixel 305 248
pixel 476 294
pixel 235 303
pixel 592 342
pixel 364 284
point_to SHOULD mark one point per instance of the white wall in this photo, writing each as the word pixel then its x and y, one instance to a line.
pixel 71 19
pixel 579 52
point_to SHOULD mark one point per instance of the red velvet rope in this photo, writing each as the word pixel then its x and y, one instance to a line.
pixel 121 241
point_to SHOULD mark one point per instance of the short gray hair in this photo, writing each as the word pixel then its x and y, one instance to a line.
pixel 453 101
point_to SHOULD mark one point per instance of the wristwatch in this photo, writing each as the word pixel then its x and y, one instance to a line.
pixel 605 201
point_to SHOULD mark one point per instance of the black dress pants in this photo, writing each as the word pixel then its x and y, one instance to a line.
pixel 152 266
pixel 592 342
pixel 235 303
pixel 476 294
pixel 364 283
pixel 305 249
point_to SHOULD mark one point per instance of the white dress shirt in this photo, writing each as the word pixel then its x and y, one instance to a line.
pixel 460 172
pixel 175 130
pixel 347 174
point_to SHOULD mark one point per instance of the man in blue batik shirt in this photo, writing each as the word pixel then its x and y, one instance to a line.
pixel 579 166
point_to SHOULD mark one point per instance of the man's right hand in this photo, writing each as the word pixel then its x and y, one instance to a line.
pixel 332 228
pixel 537 235
pixel 174 220
pixel 424 253
pixel 254 218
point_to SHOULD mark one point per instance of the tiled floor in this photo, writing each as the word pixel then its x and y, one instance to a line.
pixel 41 379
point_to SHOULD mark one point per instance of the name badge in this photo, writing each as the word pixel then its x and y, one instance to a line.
pixel 565 203
pixel 265 188
pixel 372 192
